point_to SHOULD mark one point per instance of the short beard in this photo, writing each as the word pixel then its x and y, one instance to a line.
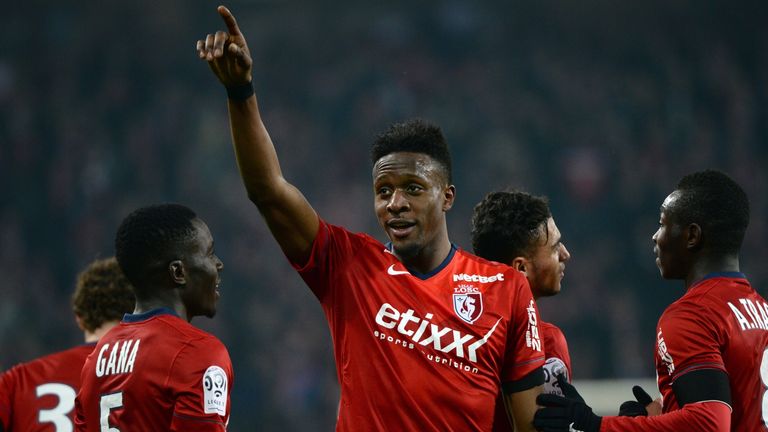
pixel 407 252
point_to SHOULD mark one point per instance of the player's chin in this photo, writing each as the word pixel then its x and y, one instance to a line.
pixel 662 269
pixel 550 292
pixel 406 249
pixel 209 309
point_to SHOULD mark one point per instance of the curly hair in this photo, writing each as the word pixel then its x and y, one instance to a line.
pixel 102 294
pixel 508 224
pixel 718 204
pixel 417 136
pixel 149 236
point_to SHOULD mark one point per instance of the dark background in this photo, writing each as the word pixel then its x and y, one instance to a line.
pixel 600 105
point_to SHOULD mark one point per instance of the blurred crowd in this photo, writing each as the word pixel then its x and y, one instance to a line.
pixel 105 107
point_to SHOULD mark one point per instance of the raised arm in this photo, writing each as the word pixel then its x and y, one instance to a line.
pixel 291 219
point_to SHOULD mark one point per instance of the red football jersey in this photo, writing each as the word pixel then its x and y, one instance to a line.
pixel 558 361
pixel 39 396
pixel 720 323
pixel 420 352
pixel 155 372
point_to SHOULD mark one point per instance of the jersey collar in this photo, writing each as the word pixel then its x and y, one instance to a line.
pixel 436 270
pixel 132 318
pixel 733 275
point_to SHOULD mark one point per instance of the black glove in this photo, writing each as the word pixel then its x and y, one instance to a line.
pixel 632 408
pixel 565 414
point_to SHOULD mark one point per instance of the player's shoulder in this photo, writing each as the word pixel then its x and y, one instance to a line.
pixel 187 333
pixel 489 271
pixel 357 238
pixel 553 333
pixel 695 309
pixel 480 261
pixel 682 307
pixel 68 356
pixel 711 293
pixel 161 325
pixel 202 347
pixel 545 325
pixel 65 365
pixel 182 340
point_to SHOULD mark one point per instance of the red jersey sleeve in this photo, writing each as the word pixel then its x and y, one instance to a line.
pixel 524 349
pixel 555 346
pixel 687 340
pixel 558 360
pixel 201 381
pixel 330 249
pixel 7 386
pixel 695 417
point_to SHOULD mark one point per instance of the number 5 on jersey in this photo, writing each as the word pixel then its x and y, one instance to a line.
pixel 107 403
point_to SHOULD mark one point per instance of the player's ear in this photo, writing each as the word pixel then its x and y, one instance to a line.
pixel 693 236
pixel 519 264
pixel 177 272
pixel 79 324
pixel 449 195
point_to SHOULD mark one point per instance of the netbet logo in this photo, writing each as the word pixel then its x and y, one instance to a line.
pixel 421 331
pixel 463 277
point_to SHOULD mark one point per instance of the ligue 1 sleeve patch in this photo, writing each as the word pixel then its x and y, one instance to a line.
pixel 215 391
pixel 552 368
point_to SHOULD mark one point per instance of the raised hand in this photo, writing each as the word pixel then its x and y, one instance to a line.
pixel 634 408
pixel 227 53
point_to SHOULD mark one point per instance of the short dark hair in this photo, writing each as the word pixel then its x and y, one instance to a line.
pixel 102 294
pixel 508 224
pixel 417 136
pixel 148 237
pixel 718 204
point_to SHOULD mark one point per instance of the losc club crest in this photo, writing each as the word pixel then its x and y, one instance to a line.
pixel 468 306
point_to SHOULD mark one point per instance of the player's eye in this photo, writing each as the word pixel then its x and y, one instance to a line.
pixel 414 188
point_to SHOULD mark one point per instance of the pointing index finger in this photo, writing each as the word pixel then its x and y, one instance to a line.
pixel 230 21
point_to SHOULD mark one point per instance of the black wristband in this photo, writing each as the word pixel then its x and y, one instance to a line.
pixel 240 92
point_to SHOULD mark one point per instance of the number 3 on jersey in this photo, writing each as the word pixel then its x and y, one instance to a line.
pixel 106 404
pixel 58 415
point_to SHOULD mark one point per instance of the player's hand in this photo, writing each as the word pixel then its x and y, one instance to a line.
pixel 227 53
pixel 565 414
pixel 640 406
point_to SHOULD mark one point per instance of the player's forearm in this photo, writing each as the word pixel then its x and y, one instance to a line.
pixel 522 407
pixel 698 417
pixel 291 219
pixel 256 156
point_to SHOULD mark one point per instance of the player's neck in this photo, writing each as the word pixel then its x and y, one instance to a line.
pixel 705 265
pixel 175 304
pixel 430 257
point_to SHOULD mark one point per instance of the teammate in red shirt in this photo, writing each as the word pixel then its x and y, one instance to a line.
pixel 39 396
pixel 155 371
pixel 424 333
pixel 711 343
pixel 517 228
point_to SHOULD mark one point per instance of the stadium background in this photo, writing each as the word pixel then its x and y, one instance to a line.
pixel 600 105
